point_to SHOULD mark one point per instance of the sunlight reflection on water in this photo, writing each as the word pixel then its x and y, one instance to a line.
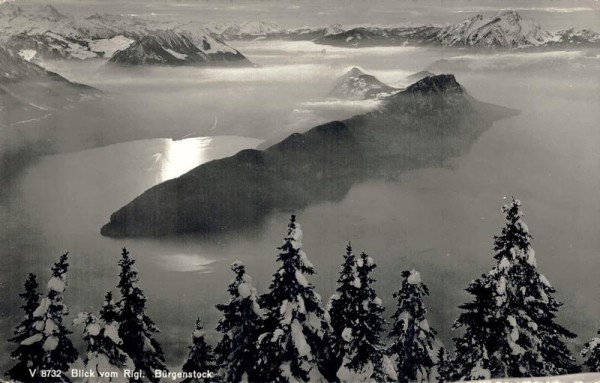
pixel 179 157
pixel 185 263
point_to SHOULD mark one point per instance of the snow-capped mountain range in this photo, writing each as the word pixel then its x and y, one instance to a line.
pixel 176 48
pixel 252 30
pixel 507 29
pixel 43 32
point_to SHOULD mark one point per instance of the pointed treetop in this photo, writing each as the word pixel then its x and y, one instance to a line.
pixel 199 330
pixel 294 233
pixel 60 267
pixel 413 277
pixel 109 312
pixel 30 294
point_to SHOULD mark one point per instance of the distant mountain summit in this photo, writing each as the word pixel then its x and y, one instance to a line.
pixel 355 84
pixel 244 30
pixel 507 29
pixel 177 48
pixel 258 30
pixel 420 127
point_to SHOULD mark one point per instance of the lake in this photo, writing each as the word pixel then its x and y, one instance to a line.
pixel 440 221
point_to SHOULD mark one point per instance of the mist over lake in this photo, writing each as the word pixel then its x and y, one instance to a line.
pixel 440 221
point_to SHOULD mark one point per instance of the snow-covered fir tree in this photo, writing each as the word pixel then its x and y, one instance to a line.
pixel 26 355
pixel 240 325
pixel 49 332
pixel 411 336
pixel 591 353
pixel 136 329
pixel 509 326
pixel 340 305
pixel 200 357
pixel 361 345
pixel 443 366
pixel 295 325
pixel 103 355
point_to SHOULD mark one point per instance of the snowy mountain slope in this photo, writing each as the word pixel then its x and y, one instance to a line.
pixel 43 113
pixel 575 37
pixel 213 47
pixel 177 48
pixel 360 86
pixel 50 45
pixel 15 68
pixel 435 115
pixel 16 20
pixel 507 29
pixel 53 35
pixel 36 88
pixel 161 48
pixel 108 47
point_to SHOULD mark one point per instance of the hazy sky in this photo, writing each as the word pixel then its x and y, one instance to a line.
pixel 551 14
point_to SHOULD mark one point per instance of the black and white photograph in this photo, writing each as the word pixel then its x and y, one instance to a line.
pixel 299 191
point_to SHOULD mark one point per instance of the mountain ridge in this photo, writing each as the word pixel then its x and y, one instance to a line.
pixel 432 120
pixel 50 34
pixel 507 29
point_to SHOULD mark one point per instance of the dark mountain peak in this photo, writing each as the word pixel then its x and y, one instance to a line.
pixel 354 72
pixel 443 83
